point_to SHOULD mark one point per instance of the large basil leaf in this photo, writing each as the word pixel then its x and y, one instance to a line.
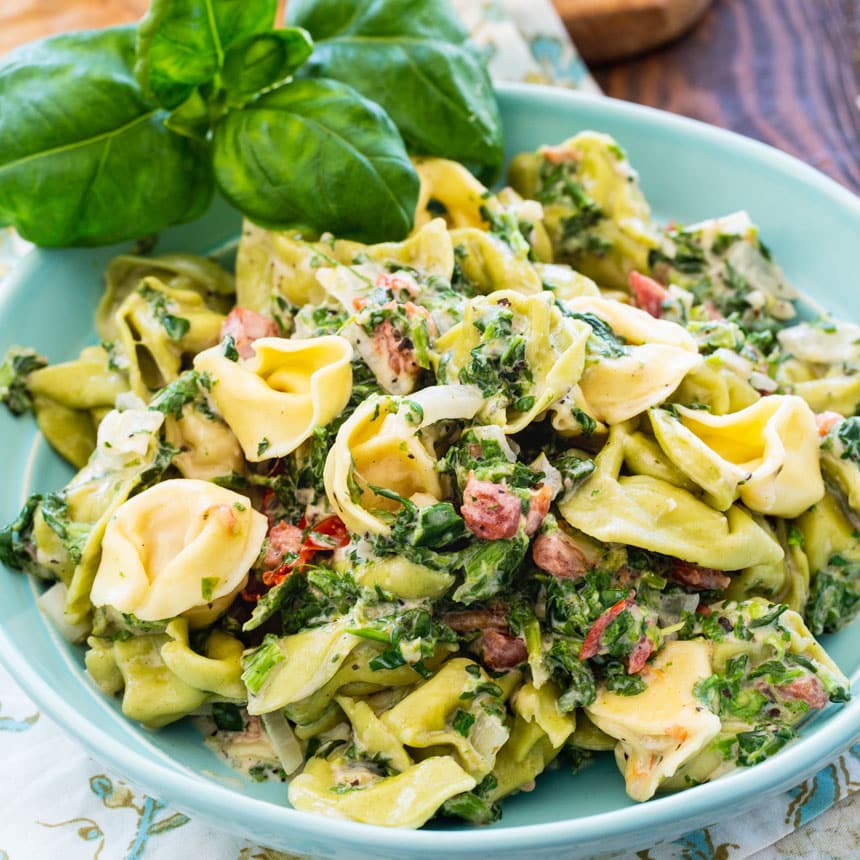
pixel 316 155
pixel 84 158
pixel 264 59
pixel 182 43
pixel 413 58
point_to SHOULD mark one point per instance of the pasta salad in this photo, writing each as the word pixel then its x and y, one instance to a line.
pixel 407 524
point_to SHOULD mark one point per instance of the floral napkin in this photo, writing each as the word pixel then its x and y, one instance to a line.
pixel 57 801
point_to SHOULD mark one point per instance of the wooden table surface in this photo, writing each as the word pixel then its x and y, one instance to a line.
pixel 784 71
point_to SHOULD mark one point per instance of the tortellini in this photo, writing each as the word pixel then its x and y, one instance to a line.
pixel 767 454
pixel 839 463
pixel 650 513
pixel 175 271
pixel 379 446
pixel 406 799
pixel 301 665
pixel 524 756
pixel 274 400
pixel 785 581
pixel 821 364
pixel 449 187
pixel 426 717
pixel 182 546
pixel 716 387
pixel 834 343
pixel 522 351
pixel 353 674
pixel 540 706
pixel 404 578
pixel 71 398
pixel 208 448
pixel 775 673
pixel 218 669
pixel 594 210
pixel 279 270
pixel 161 678
pixel 127 449
pixel 151 693
pixel 826 532
pixel 157 326
pixel 490 264
pixel 622 380
pixel 724 264
pixel 372 736
pixel 275 268
pixel 663 727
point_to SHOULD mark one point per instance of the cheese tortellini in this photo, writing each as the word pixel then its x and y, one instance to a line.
pixel 664 727
pixel 653 514
pixel 158 326
pixel 636 363
pixel 766 454
pixel 379 446
pixel 595 212
pixel 522 351
pixel 406 799
pixel 182 547
pixel 274 400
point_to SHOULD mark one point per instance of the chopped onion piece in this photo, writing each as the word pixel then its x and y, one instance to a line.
pixel 739 365
pixel 761 382
pixel 673 606
pixel 284 741
pixel 53 604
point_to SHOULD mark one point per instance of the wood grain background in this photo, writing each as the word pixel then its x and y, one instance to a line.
pixel 784 71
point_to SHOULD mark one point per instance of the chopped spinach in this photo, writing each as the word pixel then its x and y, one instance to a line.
pixel 834 600
pixel 489 567
pixel 189 388
pixel 18 363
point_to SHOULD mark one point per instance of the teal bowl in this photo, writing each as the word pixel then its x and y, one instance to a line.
pixel 689 171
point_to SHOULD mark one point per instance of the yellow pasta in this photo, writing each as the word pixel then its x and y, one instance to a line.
pixel 274 400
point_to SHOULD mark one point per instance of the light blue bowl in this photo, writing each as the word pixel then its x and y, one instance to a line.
pixel 689 171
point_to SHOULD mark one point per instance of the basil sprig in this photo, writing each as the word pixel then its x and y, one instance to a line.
pixel 114 134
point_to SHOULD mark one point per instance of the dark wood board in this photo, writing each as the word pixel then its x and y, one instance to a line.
pixel 784 71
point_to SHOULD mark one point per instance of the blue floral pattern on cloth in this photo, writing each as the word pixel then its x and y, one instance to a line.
pixel 97 816
pixel 120 796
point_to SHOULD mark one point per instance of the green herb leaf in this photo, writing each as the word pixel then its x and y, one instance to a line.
pixel 229 346
pixel 848 433
pixel 189 388
pixel 17 549
pixel 227 717
pixel 472 808
pixel 489 567
pixel 208 585
pixel 55 511
pixel 414 59
pixel 18 363
pixel 316 155
pixel 85 159
pixel 264 59
pixel 259 663
pixel 182 44
pixel 835 597
pixel 463 721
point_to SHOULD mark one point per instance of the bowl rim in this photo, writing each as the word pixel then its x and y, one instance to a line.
pixel 217 803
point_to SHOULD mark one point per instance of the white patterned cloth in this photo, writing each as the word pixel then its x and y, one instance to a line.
pixel 58 802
